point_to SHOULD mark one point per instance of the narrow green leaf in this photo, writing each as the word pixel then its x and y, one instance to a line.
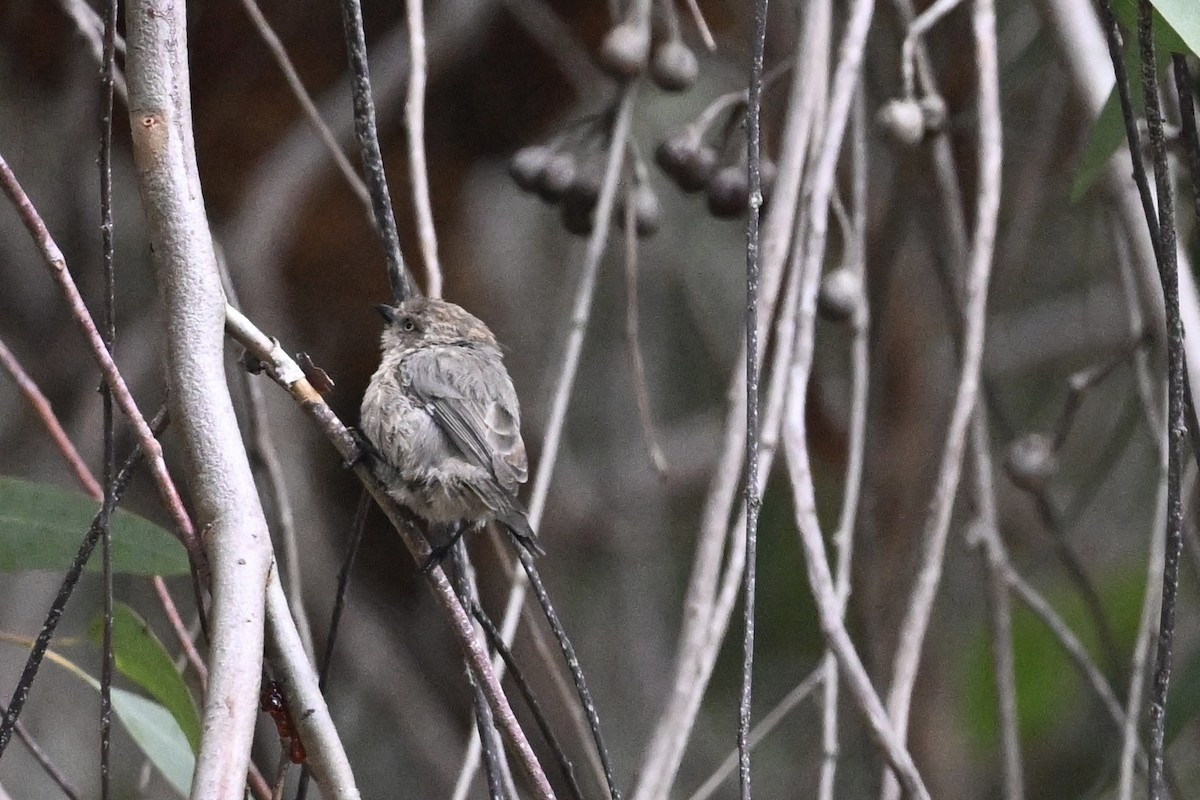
pixel 152 728
pixel 41 527
pixel 157 733
pixel 141 657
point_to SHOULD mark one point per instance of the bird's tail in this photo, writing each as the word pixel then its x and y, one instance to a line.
pixel 518 525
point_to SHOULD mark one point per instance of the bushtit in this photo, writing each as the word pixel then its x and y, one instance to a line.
pixel 442 413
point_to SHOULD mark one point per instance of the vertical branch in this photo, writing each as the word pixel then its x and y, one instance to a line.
pixel 367 134
pixel 227 505
pixel 1176 424
pixel 109 334
pixel 917 617
pixel 414 114
pixel 753 500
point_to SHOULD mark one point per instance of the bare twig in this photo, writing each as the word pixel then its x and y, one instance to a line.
pixel 367 134
pixel 44 761
pixel 752 498
pixel 45 413
pixel 768 723
pixel 271 40
pixel 702 25
pixel 414 115
pixel 1176 422
pixel 633 339
pixel 1147 627
pixel 916 620
pixel 704 623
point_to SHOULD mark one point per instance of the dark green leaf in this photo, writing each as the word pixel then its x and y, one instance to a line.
pixel 1107 136
pixel 41 527
pixel 141 657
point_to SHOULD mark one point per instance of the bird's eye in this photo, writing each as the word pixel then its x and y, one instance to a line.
pixel 408 325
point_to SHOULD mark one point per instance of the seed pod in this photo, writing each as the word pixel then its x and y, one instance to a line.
pixel 674 67
pixel 1031 461
pixel 647 212
pixel 903 120
pixel 556 177
pixel 841 292
pixel 729 192
pixel 526 165
pixel 625 50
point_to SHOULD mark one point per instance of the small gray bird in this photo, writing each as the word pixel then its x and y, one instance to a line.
pixel 443 414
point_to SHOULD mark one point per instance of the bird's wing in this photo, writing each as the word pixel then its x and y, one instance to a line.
pixel 467 391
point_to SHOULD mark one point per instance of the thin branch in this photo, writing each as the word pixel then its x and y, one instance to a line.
pixel 1176 422
pixel 565 383
pixel 44 761
pixel 703 623
pixel 108 257
pixel 572 661
pixel 1147 627
pixel 557 39
pixel 917 617
pixel 45 414
pixel 367 133
pixel 414 116
pixel 271 40
pixel 752 498
pixel 633 338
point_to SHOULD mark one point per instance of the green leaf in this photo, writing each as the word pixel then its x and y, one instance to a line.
pixel 157 733
pixel 141 657
pixel 151 726
pixel 41 527
pixel 1182 18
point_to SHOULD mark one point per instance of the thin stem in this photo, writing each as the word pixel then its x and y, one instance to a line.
pixel 568 651
pixel 109 333
pixel 367 133
pixel 414 115
pixel 917 616
pixel 633 338
pixel 43 758
pixel 1176 421
pixel 271 40
pixel 752 497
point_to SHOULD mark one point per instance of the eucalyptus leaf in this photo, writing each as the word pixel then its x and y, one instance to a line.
pixel 141 657
pixel 41 527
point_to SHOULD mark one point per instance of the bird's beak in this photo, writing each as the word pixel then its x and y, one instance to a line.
pixel 387 312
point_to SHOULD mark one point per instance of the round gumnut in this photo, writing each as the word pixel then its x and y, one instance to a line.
pixel 526 165
pixel 729 192
pixel 903 120
pixel 674 67
pixel 578 210
pixel 625 50
pixel 1030 461
pixel 841 292
pixel 556 177
pixel 698 170
pixel 647 212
